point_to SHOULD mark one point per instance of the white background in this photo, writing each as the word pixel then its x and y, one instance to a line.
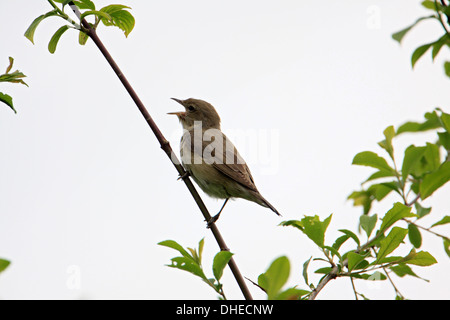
pixel 86 194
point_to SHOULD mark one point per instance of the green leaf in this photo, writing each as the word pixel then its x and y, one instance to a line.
pixel 386 144
pixel 292 294
pixel 82 38
pixel 422 258
pixel 221 259
pixel 447 68
pixel 275 277
pixel 371 159
pixel 294 223
pixel 433 181
pixel 444 139
pixel 444 220
pixel 189 265
pixel 391 242
pixel 398 36
pixel 315 229
pixel 438 45
pixel 380 174
pixel 419 52
pixel 29 33
pixel 305 271
pixel 119 18
pixel 54 40
pixel 85 4
pixel 447 247
pixel 4 264
pixel 363 198
pixel 354 260
pixel 100 14
pixel 174 245
pixel 11 62
pixel 402 270
pixel 421 211
pixel 432 122
pixel 351 235
pixel 445 119
pixel 414 235
pixel 413 156
pixel 7 99
pixel 368 223
pixel 398 211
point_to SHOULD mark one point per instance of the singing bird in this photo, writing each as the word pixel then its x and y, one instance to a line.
pixel 211 158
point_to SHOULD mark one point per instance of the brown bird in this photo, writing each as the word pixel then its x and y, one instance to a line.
pixel 211 158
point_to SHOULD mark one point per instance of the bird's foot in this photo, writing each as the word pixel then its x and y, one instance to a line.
pixel 184 175
pixel 212 221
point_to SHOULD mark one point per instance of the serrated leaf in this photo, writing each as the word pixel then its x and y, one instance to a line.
pixel 391 242
pixel 29 33
pixel 220 261
pixel 414 235
pixel 55 39
pixel 433 181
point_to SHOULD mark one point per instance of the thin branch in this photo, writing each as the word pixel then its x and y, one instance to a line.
pixel 330 276
pixel 397 292
pixel 354 289
pixel 165 145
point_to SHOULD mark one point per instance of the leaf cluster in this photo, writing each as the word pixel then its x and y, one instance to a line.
pixel 13 77
pixel 441 13
pixel 112 15
pixel 191 261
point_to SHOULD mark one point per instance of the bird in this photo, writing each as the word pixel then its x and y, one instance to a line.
pixel 211 159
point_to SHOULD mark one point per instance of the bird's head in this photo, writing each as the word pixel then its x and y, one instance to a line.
pixel 197 110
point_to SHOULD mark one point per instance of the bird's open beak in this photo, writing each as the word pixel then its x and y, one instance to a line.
pixel 179 114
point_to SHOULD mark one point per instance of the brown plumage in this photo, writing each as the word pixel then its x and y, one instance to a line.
pixel 211 158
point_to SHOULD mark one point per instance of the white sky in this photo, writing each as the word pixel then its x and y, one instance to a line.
pixel 85 188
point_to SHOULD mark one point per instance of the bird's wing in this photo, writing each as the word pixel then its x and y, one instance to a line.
pixel 230 163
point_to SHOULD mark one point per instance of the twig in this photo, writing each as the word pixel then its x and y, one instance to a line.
pixel 330 276
pixel 165 145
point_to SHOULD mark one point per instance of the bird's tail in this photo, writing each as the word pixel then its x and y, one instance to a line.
pixel 263 202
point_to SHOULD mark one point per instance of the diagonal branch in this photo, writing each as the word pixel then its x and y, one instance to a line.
pixel 166 147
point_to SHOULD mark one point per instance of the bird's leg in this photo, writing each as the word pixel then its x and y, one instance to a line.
pixel 184 175
pixel 216 217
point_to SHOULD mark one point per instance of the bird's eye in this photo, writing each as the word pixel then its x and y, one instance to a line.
pixel 191 108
